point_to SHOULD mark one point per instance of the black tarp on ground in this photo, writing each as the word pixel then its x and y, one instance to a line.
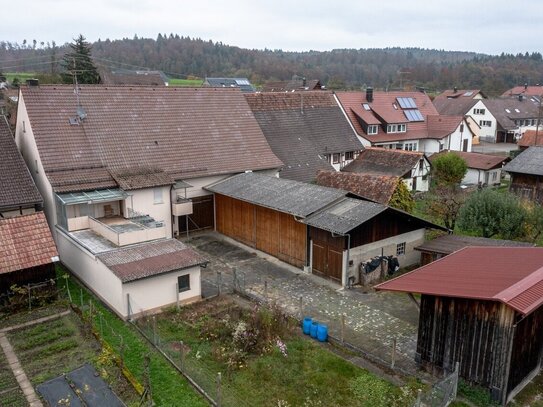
pixel 83 386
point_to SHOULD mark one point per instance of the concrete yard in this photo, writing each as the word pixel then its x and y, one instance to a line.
pixel 373 319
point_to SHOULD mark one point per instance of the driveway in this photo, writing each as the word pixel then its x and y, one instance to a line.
pixel 494 148
pixel 372 319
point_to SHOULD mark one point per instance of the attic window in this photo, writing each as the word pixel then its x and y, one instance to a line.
pixel 366 106
pixel 407 103
pixel 395 106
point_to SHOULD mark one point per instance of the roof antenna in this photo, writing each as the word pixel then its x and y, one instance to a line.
pixel 81 114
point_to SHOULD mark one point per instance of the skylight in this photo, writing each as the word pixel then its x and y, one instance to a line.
pixel 516 110
pixel 242 81
pixel 366 106
pixel 413 115
pixel 508 111
pixel 468 93
pixel 407 103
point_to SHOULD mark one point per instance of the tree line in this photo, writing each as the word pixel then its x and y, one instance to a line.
pixel 387 68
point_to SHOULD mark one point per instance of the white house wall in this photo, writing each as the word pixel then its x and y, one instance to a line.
pixel 91 271
pixel 474 176
pixel 24 138
pixel 455 141
pixel 486 133
pixel 150 294
pixel 388 247
pixel 142 201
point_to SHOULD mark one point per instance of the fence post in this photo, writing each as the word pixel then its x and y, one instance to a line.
pixel 90 307
pixel 81 297
pixel 265 289
pixel 393 358
pixel 182 351
pixel 67 287
pixel 342 329
pixel 128 308
pixel 456 377
pixel 154 331
pixel 29 298
pixel 235 272
pixel 301 308
pixel 219 394
pixel 177 295
pixel 101 327
pixel 418 401
pixel 219 282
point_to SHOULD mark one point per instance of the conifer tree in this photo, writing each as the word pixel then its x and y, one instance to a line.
pixel 78 61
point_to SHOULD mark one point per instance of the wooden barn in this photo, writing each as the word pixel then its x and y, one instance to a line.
pixel 526 172
pixel 325 230
pixel 481 307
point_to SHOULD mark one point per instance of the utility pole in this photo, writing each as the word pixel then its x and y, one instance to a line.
pixel 538 120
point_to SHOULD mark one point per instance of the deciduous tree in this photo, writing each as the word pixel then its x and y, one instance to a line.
pixel 448 169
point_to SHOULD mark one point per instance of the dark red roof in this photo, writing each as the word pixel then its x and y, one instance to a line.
pixel 184 132
pixel 25 241
pixel 477 160
pixel 384 161
pixel 511 275
pixel 440 126
pixel 524 90
pixel 377 188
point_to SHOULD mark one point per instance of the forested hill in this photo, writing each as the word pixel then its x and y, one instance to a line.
pixel 342 68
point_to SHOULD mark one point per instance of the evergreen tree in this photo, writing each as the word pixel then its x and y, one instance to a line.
pixel 78 61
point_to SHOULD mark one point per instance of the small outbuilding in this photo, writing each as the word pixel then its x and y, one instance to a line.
pixel 481 307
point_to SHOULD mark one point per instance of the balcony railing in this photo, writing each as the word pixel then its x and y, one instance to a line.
pixel 181 207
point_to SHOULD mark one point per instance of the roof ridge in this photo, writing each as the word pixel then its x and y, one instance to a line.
pixel 520 287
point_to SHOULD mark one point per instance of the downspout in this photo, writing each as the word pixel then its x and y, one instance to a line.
pixel 345 276
pixel 171 214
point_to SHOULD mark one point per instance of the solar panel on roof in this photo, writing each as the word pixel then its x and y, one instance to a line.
pixel 242 81
pixel 413 115
pixel 406 103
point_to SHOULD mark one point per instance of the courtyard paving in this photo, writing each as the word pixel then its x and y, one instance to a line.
pixel 372 319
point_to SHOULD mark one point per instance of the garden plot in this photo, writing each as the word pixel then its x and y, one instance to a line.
pixel 10 392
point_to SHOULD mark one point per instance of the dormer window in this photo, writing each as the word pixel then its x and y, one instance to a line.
pixel 396 128
pixel 373 129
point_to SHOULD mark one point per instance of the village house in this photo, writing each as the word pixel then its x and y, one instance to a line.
pixel 524 90
pixel 526 171
pixel 324 230
pixel 122 171
pixel 514 116
pixel 412 167
pixel 480 307
pixel 404 121
pixel 456 93
pixel 530 138
pixel 297 83
pixel 242 83
pixel 27 249
pixel 441 246
pixel 306 130
pixel 483 169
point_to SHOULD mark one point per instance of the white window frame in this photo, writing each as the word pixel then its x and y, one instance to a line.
pixel 158 196
pixel 396 128
pixel 373 129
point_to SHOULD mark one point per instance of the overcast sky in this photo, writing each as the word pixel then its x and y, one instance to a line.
pixel 489 26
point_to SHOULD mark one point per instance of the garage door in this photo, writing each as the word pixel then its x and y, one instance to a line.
pixel 327 261
pixel 202 214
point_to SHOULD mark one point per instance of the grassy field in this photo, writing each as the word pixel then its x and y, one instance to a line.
pixel 186 82
pixel 23 76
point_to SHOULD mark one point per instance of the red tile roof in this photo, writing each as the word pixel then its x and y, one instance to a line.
pixel 523 90
pixel 382 109
pixel 150 259
pixel 377 188
pixel 528 139
pixel 440 126
pixel 511 275
pixel 383 161
pixel 185 132
pixel 458 94
pixel 477 160
pixel 25 241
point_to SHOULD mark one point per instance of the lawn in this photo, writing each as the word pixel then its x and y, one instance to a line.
pixel 305 374
pixel 23 76
pixel 185 82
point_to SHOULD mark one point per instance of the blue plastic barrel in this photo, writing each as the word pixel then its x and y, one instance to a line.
pixel 322 333
pixel 306 326
pixel 313 329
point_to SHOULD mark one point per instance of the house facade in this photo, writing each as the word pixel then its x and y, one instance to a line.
pixel 403 121
pixel 132 175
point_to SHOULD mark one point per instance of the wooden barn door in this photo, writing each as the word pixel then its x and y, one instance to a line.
pixel 327 260
pixel 202 214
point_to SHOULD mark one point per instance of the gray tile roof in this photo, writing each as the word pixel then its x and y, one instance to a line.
pixel 530 161
pixel 527 109
pixel 16 185
pixel 345 215
pixel 150 259
pixel 447 244
pixel 382 161
pixel 296 198
pixel 186 132
pixel 242 83
pixel 301 128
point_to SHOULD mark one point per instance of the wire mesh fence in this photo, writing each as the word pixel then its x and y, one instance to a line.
pixel 441 393
pixel 30 296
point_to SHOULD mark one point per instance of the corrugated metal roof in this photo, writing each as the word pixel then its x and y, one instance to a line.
pixel 530 161
pixel 293 197
pixel 345 215
pixel 150 259
pixel 511 275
